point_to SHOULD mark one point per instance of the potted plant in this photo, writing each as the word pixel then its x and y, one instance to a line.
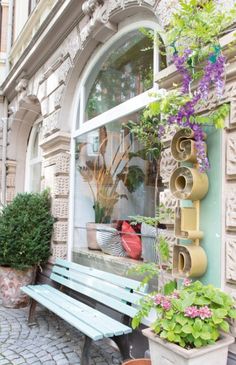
pixel 188 324
pixel 137 362
pixel 25 233
pixel 103 180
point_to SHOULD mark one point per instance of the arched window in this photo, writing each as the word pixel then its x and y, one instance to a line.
pixel 112 179
pixel 34 159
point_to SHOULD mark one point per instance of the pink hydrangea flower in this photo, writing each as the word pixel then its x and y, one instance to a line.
pixel 163 301
pixel 191 312
pixel 175 294
pixel 187 282
pixel 158 299
pixel 204 312
pixel 166 304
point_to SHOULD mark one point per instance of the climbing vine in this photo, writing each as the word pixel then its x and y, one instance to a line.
pixel 193 43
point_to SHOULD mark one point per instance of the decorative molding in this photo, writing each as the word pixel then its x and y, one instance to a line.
pixel 60 231
pixel 64 68
pixel 232 119
pixel 89 6
pixel 230 258
pixel 167 165
pixel 60 208
pixel 59 250
pixel 164 10
pixel 62 163
pixel 62 184
pixel 231 156
pixel 231 209
pixel 167 199
pixel 22 85
pixel 56 143
pixel 98 26
pixel 51 123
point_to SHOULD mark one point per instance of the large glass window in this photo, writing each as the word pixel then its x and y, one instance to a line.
pixel 126 72
pixel 34 159
pixel 113 178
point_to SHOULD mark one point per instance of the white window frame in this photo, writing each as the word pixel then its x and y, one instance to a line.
pixel 30 162
pixel 130 106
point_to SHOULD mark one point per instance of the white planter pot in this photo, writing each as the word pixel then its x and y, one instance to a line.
pixel 166 353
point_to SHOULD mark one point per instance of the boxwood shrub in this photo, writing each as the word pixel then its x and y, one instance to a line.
pixel 26 227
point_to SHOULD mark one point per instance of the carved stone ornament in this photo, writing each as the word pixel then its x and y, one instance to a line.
pixel 231 156
pixel 231 210
pixel 98 25
pixel 232 121
pixel 167 165
pixel 164 9
pixel 230 259
pixel 22 85
pixel 89 6
pixel 167 199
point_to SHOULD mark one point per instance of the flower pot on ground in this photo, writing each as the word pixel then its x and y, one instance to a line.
pixel 137 362
pixel 11 280
pixel 164 352
pixel 25 234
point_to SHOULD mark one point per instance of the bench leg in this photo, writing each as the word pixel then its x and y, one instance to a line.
pixel 31 317
pixel 85 351
pixel 123 345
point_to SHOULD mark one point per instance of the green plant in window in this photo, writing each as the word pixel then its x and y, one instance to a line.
pixel 103 179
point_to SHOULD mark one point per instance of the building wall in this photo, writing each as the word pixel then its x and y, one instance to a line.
pixel 47 61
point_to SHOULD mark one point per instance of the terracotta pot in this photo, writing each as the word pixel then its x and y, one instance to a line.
pixel 11 280
pixel 164 352
pixel 138 362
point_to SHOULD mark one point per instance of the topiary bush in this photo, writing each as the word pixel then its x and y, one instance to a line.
pixel 26 227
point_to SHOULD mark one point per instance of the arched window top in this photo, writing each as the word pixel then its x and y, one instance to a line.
pixel 124 72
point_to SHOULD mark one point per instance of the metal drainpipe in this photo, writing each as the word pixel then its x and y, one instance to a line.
pixel 4 152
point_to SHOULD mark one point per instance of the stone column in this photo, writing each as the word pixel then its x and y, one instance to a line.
pixel 56 166
pixel 10 180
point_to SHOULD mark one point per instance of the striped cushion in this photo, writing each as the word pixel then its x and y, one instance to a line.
pixel 109 240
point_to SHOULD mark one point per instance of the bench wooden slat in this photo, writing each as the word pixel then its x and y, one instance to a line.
pixel 68 317
pixel 99 285
pixel 96 319
pixel 98 296
pixel 106 276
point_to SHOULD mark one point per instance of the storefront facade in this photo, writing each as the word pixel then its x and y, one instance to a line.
pixel 76 75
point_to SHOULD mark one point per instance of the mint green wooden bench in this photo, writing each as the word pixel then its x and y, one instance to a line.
pixel 113 291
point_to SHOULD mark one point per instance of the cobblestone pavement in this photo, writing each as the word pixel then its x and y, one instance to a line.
pixel 51 342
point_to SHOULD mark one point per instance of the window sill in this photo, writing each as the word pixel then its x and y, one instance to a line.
pixel 102 261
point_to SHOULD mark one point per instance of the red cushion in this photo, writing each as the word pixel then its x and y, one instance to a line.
pixel 130 241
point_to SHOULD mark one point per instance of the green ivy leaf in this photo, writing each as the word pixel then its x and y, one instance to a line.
pixel 224 326
pixel 220 312
pixel 187 329
pixel 170 287
pixel 171 336
pixel 198 342
pixel 232 313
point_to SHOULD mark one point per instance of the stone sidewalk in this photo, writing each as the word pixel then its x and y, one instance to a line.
pixel 51 342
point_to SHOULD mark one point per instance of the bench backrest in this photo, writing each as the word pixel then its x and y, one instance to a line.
pixel 114 291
